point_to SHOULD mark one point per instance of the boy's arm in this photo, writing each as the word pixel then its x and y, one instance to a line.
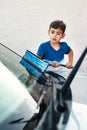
pixel 70 59
pixel 39 56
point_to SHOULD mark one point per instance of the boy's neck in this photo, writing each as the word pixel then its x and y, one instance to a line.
pixel 56 46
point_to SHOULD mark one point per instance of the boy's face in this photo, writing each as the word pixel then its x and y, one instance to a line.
pixel 56 35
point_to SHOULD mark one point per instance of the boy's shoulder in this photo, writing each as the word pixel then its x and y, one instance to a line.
pixel 63 43
pixel 45 43
pixel 65 47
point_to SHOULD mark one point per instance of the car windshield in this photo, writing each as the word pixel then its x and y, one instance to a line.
pixel 12 61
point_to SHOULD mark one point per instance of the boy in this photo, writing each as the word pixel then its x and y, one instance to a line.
pixel 54 50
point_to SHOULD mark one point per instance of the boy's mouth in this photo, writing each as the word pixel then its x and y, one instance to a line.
pixel 54 39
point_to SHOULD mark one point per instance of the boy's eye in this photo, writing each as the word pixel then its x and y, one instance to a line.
pixel 52 32
pixel 58 33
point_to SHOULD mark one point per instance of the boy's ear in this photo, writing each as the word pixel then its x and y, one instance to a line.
pixel 63 35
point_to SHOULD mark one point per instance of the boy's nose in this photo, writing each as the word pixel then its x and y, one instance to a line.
pixel 55 34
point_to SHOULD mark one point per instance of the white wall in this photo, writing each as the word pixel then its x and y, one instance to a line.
pixel 24 23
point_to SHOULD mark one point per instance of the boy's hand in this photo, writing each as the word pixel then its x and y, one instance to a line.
pixel 54 63
pixel 69 65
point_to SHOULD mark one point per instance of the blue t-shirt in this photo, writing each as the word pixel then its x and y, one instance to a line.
pixel 49 53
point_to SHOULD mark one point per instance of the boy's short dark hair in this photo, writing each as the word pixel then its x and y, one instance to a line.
pixel 58 24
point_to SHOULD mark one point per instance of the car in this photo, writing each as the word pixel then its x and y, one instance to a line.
pixel 55 116
pixel 21 92
pixel 17 105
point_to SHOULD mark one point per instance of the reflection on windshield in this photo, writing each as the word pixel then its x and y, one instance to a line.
pixel 12 62
pixel 12 93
